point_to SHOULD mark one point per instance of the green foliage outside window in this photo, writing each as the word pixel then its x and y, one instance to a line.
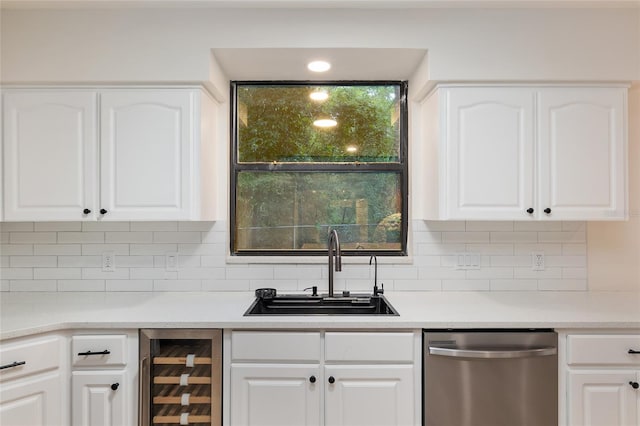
pixel 294 180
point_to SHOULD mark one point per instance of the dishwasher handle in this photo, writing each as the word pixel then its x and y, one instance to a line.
pixel 493 353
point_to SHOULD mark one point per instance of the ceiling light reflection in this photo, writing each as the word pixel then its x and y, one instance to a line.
pixel 319 95
pixel 325 122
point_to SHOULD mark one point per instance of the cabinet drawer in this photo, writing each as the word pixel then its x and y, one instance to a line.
pixel 365 347
pixel 275 346
pixel 603 349
pixel 91 350
pixel 30 356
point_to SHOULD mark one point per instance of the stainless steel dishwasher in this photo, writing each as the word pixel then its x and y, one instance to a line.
pixel 490 378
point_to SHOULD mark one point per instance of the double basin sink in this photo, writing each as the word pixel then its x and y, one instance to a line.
pixel 269 303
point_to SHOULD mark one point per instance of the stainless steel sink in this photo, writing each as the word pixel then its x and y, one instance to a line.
pixel 290 304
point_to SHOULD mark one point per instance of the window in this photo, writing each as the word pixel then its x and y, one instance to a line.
pixel 308 157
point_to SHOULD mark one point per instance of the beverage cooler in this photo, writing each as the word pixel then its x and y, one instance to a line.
pixel 180 377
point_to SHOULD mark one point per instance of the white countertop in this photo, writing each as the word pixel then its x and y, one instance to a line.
pixel 30 313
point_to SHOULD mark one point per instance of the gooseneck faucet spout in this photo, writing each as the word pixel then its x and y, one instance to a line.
pixel 333 250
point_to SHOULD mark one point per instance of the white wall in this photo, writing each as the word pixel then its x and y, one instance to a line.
pixel 464 44
pixel 144 45
pixel 614 247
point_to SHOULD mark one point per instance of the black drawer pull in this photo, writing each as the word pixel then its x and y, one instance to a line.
pixel 115 386
pixel 332 379
pixel 634 385
pixel 13 364
pixel 631 351
pixel 105 352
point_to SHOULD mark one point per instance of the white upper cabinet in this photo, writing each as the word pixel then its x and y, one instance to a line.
pixel 145 154
pixel 50 160
pixel 490 154
pixel 522 153
pixel 110 154
pixel 582 153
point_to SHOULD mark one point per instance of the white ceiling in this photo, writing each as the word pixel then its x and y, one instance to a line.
pixel 291 64
pixel 20 4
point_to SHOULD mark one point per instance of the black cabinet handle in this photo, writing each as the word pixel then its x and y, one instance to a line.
pixel 332 379
pixel 633 352
pixel 115 386
pixel 103 211
pixel 105 352
pixel 547 210
pixel 13 364
pixel 86 211
pixel 634 385
pixel 312 379
pixel 530 210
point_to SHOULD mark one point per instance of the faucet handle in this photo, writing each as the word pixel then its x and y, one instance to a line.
pixel 377 291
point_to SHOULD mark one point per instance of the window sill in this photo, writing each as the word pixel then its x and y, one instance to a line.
pixel 316 260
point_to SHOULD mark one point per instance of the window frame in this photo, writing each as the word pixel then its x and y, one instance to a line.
pixel 401 167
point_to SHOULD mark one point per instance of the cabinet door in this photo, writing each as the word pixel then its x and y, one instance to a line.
pixel 50 161
pixel 489 150
pixel 275 395
pixel 94 402
pixel 32 401
pixel 370 395
pixel 582 150
pixel 146 154
pixel 602 398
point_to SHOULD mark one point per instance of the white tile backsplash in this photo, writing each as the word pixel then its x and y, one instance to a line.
pixel 81 237
pixel 57 249
pixel 32 238
pixel 57 226
pixel 67 256
pixel 81 285
pixel 33 285
pixel 32 261
pixel 129 237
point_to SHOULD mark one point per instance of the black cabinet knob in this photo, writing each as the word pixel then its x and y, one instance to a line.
pixel 86 211
pixel 312 379
pixel 530 210
pixel 332 379
pixel 547 210
pixel 103 211
pixel 634 385
pixel 115 386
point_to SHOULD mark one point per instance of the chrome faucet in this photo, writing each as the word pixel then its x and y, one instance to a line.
pixel 333 249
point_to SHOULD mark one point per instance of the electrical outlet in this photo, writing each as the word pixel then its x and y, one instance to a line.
pixel 108 261
pixel 171 261
pixel 537 261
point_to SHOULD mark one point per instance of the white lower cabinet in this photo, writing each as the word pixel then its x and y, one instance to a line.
pixel 33 385
pixel 37 401
pixel 278 395
pixel 369 395
pixel 104 379
pixel 601 379
pixel 603 398
pixel 324 378
pixel 98 399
